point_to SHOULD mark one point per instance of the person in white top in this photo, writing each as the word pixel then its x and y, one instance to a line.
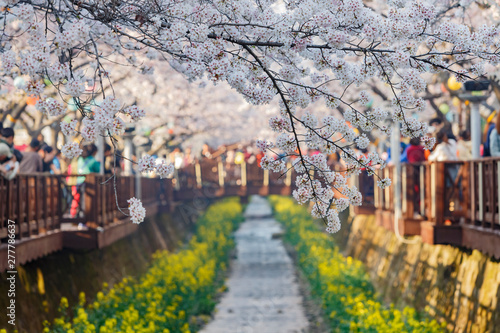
pixel 464 146
pixel 445 149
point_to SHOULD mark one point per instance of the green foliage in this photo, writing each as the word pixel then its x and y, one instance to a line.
pixel 341 283
pixel 177 289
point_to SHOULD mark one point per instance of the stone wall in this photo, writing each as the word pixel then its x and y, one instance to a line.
pixel 43 282
pixel 449 283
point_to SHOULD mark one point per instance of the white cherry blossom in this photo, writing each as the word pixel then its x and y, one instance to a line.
pixel 311 58
pixel 71 150
pixel 136 211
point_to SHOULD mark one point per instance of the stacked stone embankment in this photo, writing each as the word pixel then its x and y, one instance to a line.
pixel 457 285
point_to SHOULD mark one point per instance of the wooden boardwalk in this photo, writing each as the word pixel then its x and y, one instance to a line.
pixel 450 202
pixel 263 295
pixel 47 220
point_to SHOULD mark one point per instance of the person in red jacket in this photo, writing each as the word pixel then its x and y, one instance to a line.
pixel 415 152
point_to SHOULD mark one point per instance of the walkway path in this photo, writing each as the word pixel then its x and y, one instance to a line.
pixel 263 294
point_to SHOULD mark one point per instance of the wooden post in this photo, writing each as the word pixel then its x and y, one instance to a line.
pixel 90 197
pixel 176 178
pixel 422 189
pixel 243 174
pixel 104 200
pixel 3 206
pixel 53 203
pixel 480 190
pixel 28 206
pixel 492 201
pixel 132 186
pixel 98 200
pixel 44 198
pixel 409 189
pixel 220 169
pixel 169 196
pixel 404 191
pixel 433 190
pixel 60 201
pixel 466 181
pixel 498 191
pixel 473 188
pixel 266 178
pixel 11 210
pixel 386 190
pixel 197 171
pixel 20 216
pixel 138 185
pixel 438 191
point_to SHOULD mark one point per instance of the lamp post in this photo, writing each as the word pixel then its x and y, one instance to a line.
pixel 127 151
pixel 474 93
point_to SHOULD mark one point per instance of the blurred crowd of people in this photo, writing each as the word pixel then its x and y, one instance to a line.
pixel 35 157
pixel 450 147
pixel 40 157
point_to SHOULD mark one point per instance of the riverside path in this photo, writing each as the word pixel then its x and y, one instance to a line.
pixel 263 295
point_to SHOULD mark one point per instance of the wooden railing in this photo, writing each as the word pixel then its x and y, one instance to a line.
pixel 52 212
pixel 485 194
pixel 453 202
pixel 33 201
pixel 444 202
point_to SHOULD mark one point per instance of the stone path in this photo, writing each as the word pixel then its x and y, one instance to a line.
pixel 263 294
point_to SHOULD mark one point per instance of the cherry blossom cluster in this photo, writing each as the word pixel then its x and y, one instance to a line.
pixel 148 163
pixel 274 164
pixel 71 150
pixel 296 54
pixel 164 170
pixel 69 128
pixel 136 211
pixel 264 145
pixel 279 124
pixel 428 142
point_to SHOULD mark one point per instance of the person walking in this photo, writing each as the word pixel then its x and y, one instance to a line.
pixel 32 161
pixel 415 151
pixel 464 146
pixel 7 136
pixel 445 149
pixel 8 164
pixel 86 164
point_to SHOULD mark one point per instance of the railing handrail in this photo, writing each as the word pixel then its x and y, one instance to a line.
pixel 461 195
pixel 41 200
pixel 97 203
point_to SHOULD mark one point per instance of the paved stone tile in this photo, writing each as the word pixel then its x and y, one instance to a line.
pixel 263 295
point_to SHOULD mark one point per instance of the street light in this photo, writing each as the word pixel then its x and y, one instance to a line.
pixel 473 91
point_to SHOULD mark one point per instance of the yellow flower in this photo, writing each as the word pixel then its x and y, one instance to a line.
pixel 152 304
pixel 64 303
pixel 81 299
